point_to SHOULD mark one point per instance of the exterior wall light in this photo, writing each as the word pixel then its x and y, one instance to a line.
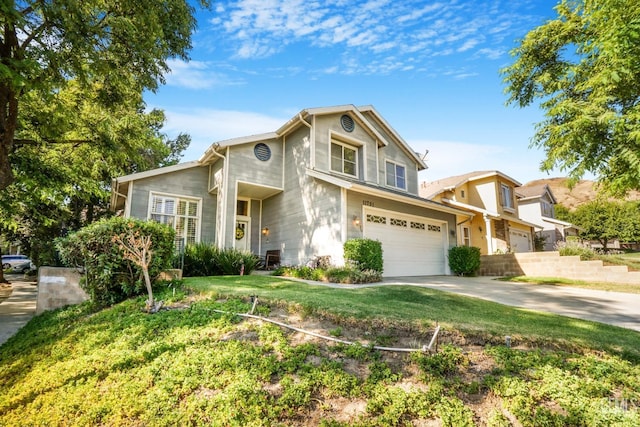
pixel 356 221
pixel 265 231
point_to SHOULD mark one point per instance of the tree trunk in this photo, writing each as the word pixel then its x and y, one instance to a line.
pixel 2 279
pixel 9 52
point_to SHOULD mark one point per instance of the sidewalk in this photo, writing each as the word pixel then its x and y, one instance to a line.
pixel 19 308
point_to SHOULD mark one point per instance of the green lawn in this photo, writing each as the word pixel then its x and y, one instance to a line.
pixel 192 365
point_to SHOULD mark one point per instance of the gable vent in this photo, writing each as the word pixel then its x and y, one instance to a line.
pixel 262 152
pixel 347 123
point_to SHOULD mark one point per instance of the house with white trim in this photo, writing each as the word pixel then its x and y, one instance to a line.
pixel 537 205
pixel 325 176
pixel 490 198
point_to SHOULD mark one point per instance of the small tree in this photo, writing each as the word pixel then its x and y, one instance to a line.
pixel 137 249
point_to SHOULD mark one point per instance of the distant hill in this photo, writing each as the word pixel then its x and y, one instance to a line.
pixel 584 191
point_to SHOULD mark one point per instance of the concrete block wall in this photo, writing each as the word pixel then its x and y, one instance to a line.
pixel 551 264
pixel 58 287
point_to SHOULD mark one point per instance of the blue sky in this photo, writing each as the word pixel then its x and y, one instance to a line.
pixel 430 68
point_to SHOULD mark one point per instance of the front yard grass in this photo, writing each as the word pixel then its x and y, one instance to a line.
pixel 192 365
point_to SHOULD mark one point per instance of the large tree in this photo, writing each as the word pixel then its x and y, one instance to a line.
pixel 45 43
pixel 65 185
pixel 584 69
pixel 607 220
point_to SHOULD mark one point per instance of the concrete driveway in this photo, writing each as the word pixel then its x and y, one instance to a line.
pixel 614 308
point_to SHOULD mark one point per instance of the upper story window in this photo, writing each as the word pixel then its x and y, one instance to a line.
pixel 344 159
pixel 506 196
pixel 546 208
pixel 182 214
pixel 396 175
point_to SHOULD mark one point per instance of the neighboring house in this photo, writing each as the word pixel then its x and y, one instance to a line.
pixel 325 176
pixel 537 205
pixel 490 197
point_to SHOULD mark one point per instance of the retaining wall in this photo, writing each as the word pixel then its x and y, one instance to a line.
pixel 551 264
pixel 58 287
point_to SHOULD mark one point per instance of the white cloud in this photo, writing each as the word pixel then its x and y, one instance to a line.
pixel 368 29
pixel 208 126
pixel 196 75
pixel 450 158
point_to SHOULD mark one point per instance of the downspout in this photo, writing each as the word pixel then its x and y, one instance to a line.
pixel 223 220
pixel 312 142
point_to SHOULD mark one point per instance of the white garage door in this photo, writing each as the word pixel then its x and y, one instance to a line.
pixel 412 246
pixel 520 241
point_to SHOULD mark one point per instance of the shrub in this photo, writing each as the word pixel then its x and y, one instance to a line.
pixel 365 254
pixel 233 261
pixel 350 274
pixel 109 278
pixel 205 259
pixel 464 260
pixel 199 259
pixel 573 248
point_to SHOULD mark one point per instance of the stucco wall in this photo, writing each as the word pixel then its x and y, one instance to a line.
pixel 58 287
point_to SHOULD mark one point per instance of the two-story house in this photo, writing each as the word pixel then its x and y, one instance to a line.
pixel 325 176
pixel 489 196
pixel 537 205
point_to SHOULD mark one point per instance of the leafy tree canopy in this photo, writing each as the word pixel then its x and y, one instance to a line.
pixel 584 69
pixel 605 221
pixel 44 44
pixel 65 185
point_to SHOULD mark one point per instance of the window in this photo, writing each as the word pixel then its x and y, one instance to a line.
pixel 462 194
pixel 242 208
pixel 396 176
pixel 466 236
pixel 179 213
pixel 507 196
pixel 343 159
pixel 547 209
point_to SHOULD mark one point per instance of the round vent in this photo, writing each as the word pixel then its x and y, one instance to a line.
pixel 262 152
pixel 347 123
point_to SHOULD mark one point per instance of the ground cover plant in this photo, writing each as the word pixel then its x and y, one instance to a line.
pixel 195 364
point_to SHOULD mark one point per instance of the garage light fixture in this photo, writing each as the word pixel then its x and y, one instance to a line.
pixel 356 221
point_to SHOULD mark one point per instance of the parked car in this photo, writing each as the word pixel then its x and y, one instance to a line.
pixel 17 263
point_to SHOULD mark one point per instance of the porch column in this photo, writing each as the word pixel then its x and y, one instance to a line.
pixel 487 229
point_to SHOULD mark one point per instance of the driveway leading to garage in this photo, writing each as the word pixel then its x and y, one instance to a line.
pixel 614 308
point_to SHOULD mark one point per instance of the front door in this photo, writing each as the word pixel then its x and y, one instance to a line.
pixel 242 235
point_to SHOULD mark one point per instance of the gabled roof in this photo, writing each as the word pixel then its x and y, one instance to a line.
pixel 157 171
pixel 433 188
pixel 362 115
pixel 535 191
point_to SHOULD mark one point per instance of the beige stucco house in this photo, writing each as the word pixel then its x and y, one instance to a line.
pixel 490 197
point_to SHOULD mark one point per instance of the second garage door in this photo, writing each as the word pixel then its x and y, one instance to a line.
pixel 412 246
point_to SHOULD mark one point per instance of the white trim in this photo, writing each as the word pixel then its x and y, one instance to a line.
pixel 444 232
pixel 159 171
pixel 344 216
pixel 394 163
pixel 127 202
pixel 329 178
pixel 349 147
pixel 345 139
pixel 471 208
pixel 209 153
pixel 179 197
